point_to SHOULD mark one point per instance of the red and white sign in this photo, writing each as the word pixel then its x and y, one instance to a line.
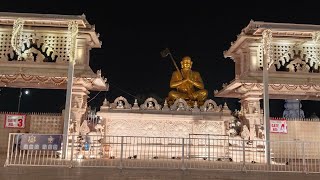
pixel 15 121
pixel 278 126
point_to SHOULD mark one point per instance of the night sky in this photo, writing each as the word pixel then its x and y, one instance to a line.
pixel 133 34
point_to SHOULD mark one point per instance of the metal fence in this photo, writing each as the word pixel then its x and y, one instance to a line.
pixel 195 152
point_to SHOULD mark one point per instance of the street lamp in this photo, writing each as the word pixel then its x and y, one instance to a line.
pixel 26 92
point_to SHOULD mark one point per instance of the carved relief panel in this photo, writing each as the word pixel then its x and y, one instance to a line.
pixel 41 47
pixel 295 58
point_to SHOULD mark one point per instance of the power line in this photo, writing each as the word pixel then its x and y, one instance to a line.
pixel 94 97
pixel 123 90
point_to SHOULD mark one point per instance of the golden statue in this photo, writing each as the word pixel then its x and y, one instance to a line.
pixel 188 84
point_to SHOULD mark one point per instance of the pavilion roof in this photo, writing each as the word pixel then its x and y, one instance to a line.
pixel 254 31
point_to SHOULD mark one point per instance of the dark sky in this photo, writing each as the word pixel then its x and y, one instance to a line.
pixel 133 34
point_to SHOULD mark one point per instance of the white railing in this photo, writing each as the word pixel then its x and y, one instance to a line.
pixel 195 152
pixel 18 157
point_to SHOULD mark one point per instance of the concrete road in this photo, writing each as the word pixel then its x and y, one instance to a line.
pixel 93 173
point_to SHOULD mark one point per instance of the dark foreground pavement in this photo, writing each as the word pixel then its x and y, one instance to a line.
pixel 93 173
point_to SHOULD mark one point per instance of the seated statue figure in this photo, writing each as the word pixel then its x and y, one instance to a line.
pixel 188 84
pixel 150 105
pixel 120 105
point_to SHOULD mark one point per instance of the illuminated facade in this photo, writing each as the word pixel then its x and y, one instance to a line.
pixel 34 53
pixel 154 120
pixel 293 69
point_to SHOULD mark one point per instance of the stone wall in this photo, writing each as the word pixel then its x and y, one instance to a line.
pixel 121 123
pixel 46 123
pixel 151 119
pixel 302 137
pixel 39 123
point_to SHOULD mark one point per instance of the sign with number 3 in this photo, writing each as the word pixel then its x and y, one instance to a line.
pixel 15 121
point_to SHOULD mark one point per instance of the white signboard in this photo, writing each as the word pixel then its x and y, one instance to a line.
pixel 15 121
pixel 278 126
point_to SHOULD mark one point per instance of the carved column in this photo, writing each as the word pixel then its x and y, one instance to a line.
pixel 254 57
pixel 82 52
pixel 250 107
pixel 78 105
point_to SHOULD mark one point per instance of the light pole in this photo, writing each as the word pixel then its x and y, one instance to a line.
pixel 20 95
pixel 26 92
pixel 267 58
pixel 73 33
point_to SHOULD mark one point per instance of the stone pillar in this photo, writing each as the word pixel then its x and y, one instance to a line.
pixel 78 105
pixel 250 107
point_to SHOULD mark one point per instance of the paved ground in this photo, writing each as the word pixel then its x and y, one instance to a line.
pixel 57 173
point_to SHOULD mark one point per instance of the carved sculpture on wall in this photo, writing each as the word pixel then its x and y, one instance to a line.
pixel 99 128
pixel 148 126
pixel 180 105
pixel 302 59
pixel 120 100
pixel 72 127
pixel 120 104
pixel 151 104
pixel 298 65
pixel 210 106
pixel 34 49
pixel 77 101
pixel 250 107
pixel 245 134
pixel 84 128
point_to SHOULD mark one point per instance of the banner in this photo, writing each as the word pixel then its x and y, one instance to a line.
pixel 15 121
pixel 278 126
pixel 40 142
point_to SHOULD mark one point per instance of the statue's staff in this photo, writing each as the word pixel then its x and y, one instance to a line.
pixel 167 52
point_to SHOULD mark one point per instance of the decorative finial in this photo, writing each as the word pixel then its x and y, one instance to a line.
pixel 99 73
pixel 105 105
pixel 225 108
pixel 135 105
pixel 165 106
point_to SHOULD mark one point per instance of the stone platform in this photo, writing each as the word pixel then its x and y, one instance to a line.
pixel 151 119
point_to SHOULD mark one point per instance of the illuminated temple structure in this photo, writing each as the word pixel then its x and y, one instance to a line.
pixel 293 73
pixel 42 62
